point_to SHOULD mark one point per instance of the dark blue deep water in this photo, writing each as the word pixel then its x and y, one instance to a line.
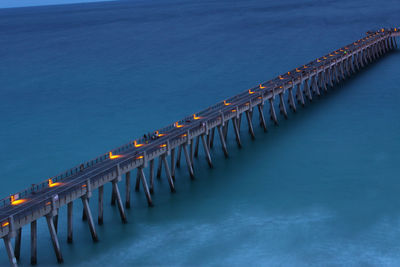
pixel 322 189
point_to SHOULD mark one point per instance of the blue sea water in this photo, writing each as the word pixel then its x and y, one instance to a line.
pixel 319 190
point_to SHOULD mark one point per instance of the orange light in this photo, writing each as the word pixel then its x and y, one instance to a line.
pixel 288 72
pixel 305 66
pixel 262 87
pixel 48 203
pixel 233 110
pixel 4 224
pixel 297 70
pixel 140 157
pixel 195 117
pixel 331 55
pixel 318 60
pixel 51 184
pixel 183 135
pixel 226 103
pixel 136 144
pixel 382 30
pixel 395 29
pixel 15 202
pixel 250 92
pixel 325 58
pixel 159 134
pixel 176 124
pixel 114 156
pixel 163 145
pixel 280 78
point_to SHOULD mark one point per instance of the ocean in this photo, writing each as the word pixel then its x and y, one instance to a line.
pixel 319 190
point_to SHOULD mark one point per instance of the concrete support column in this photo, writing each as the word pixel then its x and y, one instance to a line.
pixel 292 103
pixel 69 221
pixel 250 123
pixel 168 173
pixel 262 118
pixel 188 161
pixel 307 89
pixel 17 247
pixel 206 151
pixel 100 215
pixel 237 133
pixel 33 242
pixel 299 95
pixel 89 217
pixel 145 187
pixel 222 139
pixel 128 190
pixel 178 157
pixel 54 239
pixel 272 111
pixel 151 170
pixel 119 201
pixel 10 251
pixel 196 150
pixel 282 106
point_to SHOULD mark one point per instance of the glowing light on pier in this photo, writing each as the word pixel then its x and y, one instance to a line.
pixel 51 184
pixel 140 157
pixel 15 201
pixel 4 224
pixel 136 144
pixel 114 156
pixel 159 134
pixel 233 110
pixel 251 92
pixel 176 125
pixel 262 87
pixel 195 117
pixel 281 78
pixel 297 70
pixel 163 145
pixel 226 103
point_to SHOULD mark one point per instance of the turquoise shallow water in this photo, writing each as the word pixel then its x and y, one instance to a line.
pixel 321 189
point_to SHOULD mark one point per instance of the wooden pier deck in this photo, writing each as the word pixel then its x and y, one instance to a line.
pixel 166 146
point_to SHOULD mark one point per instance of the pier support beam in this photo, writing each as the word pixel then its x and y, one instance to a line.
pixel 249 122
pixel 299 95
pixel 151 171
pixel 282 107
pixel 10 251
pixel 236 130
pixel 292 103
pixel 33 242
pixel 159 167
pixel 206 151
pixel 307 89
pixel 89 217
pixel 119 201
pixel 188 161
pixel 211 143
pixel 54 239
pixel 262 119
pixel 222 139
pixel 178 158
pixel 69 221
pixel 17 247
pixel 272 111
pixel 128 190
pixel 196 150
pixel 100 215
pixel 145 187
pixel 168 173
pixel 173 165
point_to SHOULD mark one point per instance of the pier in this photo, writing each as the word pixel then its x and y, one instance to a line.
pixel 159 154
